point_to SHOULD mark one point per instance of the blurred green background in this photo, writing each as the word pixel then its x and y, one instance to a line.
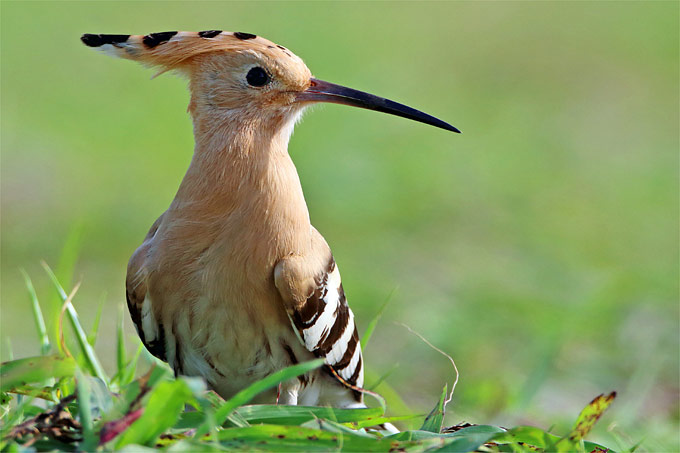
pixel 539 248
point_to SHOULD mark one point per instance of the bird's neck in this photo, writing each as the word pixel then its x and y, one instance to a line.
pixel 241 175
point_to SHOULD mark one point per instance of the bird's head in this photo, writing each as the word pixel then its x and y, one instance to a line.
pixel 240 75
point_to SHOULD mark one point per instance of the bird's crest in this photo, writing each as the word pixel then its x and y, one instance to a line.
pixel 175 49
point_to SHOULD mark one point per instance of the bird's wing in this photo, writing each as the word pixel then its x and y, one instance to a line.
pixel 324 322
pixel 150 331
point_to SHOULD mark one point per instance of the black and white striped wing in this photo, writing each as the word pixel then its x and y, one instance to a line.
pixel 325 324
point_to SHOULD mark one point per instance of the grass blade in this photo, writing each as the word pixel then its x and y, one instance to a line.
pixel 69 254
pixel 258 387
pixel 131 368
pixel 374 322
pixel 85 410
pixel 34 369
pixel 382 378
pixel 434 421
pixel 381 420
pixel 471 438
pixel 37 315
pixel 395 402
pixel 120 342
pixel 64 270
pixel 304 438
pixel 528 435
pixel 590 415
pixel 296 415
pixel 586 420
pixel 334 427
pixel 87 350
pixel 163 409
pixel 12 419
pixel 94 331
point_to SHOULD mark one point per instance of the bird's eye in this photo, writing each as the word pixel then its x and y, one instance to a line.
pixel 257 77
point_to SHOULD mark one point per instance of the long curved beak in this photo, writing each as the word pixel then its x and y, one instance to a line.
pixel 320 91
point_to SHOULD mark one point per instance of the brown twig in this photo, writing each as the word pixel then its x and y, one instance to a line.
pixel 56 423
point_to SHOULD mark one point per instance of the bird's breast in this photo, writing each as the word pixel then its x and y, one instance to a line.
pixel 211 287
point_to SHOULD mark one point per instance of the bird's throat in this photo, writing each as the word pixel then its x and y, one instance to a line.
pixel 242 175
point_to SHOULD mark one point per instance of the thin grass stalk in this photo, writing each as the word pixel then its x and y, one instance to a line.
pixel 37 315
pixel 94 331
pixel 120 341
pixel 81 336
pixel 453 362
pixel 374 322
pixel 384 376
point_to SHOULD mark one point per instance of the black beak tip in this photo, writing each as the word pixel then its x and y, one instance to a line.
pixel 444 125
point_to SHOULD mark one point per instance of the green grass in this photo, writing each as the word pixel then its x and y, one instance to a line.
pixel 538 248
pixel 61 400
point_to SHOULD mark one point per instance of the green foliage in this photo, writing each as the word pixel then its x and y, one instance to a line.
pixel 89 356
pixel 297 415
pixel 82 411
pixel 267 383
pixel 589 416
pixel 161 411
pixel 34 370
pixel 435 419
pixel 37 315
pixel 374 322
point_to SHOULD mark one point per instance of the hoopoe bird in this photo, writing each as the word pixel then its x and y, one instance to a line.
pixel 232 282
